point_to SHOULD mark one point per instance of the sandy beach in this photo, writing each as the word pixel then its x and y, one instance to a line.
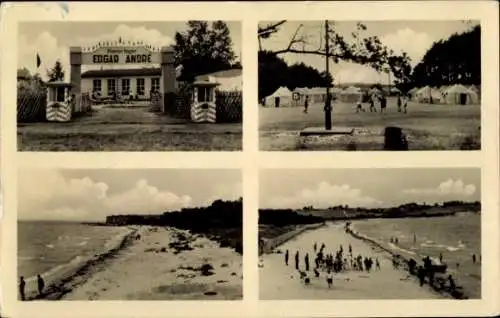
pixel 161 264
pixel 278 281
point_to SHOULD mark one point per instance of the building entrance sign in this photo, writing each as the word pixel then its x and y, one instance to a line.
pixel 120 53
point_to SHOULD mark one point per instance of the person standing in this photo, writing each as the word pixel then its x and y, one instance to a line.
pixel 405 103
pixel 297 260
pixel 286 258
pixel 306 104
pixel 41 285
pixel 22 287
pixel 315 247
pixel 306 260
pixel 329 278
pixel 399 103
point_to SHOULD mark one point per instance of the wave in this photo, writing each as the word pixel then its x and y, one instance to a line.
pixel 49 246
pixel 396 247
pixel 59 273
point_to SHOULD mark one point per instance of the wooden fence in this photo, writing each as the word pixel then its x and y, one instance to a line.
pixel 229 106
pixel 31 105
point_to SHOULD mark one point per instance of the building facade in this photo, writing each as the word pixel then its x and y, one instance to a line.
pixel 138 83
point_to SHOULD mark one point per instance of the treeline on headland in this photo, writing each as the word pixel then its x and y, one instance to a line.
pixel 309 215
pixel 222 221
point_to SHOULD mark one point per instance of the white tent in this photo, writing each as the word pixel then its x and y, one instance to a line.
pixel 412 92
pixel 427 94
pixel 283 94
pixel 351 95
pixel 460 95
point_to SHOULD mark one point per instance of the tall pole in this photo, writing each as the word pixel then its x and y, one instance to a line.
pixel 328 103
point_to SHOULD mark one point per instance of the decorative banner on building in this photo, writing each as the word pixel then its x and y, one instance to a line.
pixel 121 55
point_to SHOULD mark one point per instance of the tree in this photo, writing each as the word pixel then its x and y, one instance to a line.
pixel 365 50
pixel 56 73
pixel 451 61
pixel 202 50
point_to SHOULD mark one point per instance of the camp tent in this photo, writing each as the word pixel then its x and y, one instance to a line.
pixel 412 92
pixel 351 95
pixel 427 94
pixel 395 91
pixel 460 95
pixel 318 94
pixel 283 94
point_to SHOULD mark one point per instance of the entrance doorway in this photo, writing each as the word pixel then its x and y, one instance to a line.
pixel 463 99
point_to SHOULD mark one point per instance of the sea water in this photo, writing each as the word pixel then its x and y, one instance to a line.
pixel 456 238
pixel 54 249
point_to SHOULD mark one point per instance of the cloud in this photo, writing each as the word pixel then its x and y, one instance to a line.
pixel 146 199
pixel 356 73
pixel 415 44
pixel 85 199
pixel 324 195
pixel 449 189
pixel 51 50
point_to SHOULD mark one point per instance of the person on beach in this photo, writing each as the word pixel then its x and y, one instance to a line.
pixel 377 264
pixel 41 285
pixel 451 282
pixel 329 278
pixel 286 258
pixel 350 249
pixel 297 260
pixel 421 275
pixel 441 258
pixel 315 247
pixel 22 287
pixel 316 273
pixel 474 258
pixel 306 260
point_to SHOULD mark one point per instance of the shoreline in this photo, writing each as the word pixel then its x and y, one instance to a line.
pixel 74 276
pixel 156 263
pixel 397 255
pixel 268 245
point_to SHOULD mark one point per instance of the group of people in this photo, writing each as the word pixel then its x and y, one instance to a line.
pixel 402 103
pixel 330 263
pixel 22 286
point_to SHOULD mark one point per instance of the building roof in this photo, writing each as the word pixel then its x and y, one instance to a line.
pixel 151 71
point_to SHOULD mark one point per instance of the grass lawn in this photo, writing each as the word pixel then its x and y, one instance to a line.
pixel 133 129
pixel 427 127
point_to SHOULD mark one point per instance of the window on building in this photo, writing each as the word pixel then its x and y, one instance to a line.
pixel 111 86
pixel 96 86
pixel 155 84
pixel 60 94
pixel 204 94
pixel 140 86
pixel 126 86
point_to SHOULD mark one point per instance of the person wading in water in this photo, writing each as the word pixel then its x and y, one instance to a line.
pixel 41 285
pixel 22 286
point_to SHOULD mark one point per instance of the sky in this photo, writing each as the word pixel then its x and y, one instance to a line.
pixel 412 37
pixel 51 40
pixel 322 188
pixel 91 195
